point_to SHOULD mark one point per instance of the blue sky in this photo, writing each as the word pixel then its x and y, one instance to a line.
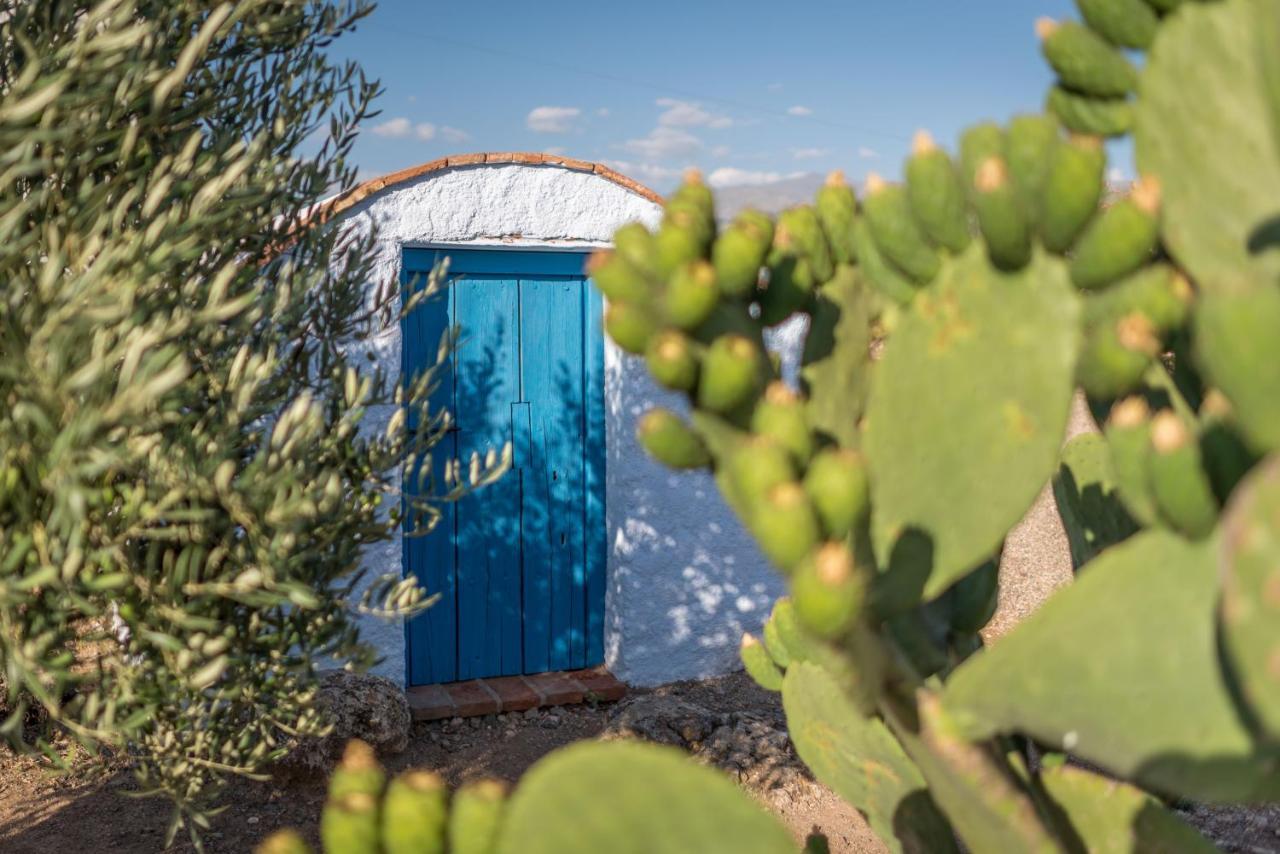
pixel 747 92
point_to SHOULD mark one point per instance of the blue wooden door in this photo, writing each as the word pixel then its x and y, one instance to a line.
pixel 519 565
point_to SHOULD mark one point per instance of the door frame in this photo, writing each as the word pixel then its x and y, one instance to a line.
pixel 418 260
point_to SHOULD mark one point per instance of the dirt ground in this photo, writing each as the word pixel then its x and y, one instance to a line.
pixel 738 727
pixel 76 813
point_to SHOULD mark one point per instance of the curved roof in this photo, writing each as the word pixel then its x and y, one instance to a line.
pixel 362 191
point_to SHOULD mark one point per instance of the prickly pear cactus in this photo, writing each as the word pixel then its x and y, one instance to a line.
pixel 949 320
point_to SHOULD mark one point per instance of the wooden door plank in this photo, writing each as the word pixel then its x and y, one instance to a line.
pixel 488 522
pixel 551 322
pixel 596 543
pixel 431 637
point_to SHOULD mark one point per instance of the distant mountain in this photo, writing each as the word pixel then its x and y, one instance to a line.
pixel 769 198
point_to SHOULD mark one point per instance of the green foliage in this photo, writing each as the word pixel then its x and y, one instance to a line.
pixel 862 762
pixel 194 449
pixel 625 797
pixel 942 417
pixel 1085 490
pixel 1122 669
pixel 999 282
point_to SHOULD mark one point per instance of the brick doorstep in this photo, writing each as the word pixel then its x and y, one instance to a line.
pixel 512 693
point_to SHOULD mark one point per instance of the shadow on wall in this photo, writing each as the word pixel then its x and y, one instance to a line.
pixel 685 578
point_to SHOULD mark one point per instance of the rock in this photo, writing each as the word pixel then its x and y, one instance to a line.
pixel 550 722
pixel 359 705
pixel 661 718
pixel 753 748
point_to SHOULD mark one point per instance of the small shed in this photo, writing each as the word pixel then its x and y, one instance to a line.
pixel 587 552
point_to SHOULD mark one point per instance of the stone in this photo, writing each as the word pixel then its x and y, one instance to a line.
pixel 358 705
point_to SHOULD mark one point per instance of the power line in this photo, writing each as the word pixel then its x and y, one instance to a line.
pixel 639 84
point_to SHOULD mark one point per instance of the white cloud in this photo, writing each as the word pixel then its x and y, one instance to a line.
pixel 720 151
pixel 454 134
pixel 799 110
pixel 809 153
pixel 650 172
pixel 552 119
pixel 401 128
pixel 868 153
pixel 689 114
pixel 394 128
pixel 664 142
pixel 602 112
pixel 729 176
pixel 1116 175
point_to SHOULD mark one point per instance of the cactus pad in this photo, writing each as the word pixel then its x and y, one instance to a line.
pixel 836 363
pixel 1218 187
pixel 1237 348
pixel 1116 818
pixel 633 799
pixel 1088 503
pixel 862 762
pixel 1249 560
pixel 1121 668
pixel 941 418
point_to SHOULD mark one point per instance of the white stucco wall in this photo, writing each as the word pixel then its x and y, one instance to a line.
pixel 684 580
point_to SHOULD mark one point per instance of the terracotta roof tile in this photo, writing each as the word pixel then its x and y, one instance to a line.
pixel 368 188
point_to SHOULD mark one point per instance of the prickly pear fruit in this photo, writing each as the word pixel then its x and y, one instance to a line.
pixel 630 325
pixel 680 239
pixel 672 360
pixel 1128 432
pixel 790 282
pixel 828 591
pixel 886 278
pixel 634 243
pixel 284 842
pixel 1072 190
pixel 978 144
pixel 1001 216
pixel 974 598
pixel 800 645
pixel 895 231
pixel 414 814
pixel 1116 355
pixel 837 207
pixel 757 466
pixel 1119 239
pixel 691 295
pixel 1181 488
pixel 618 279
pixel 1085 114
pixel 773 643
pixel 808 239
pixel 1158 291
pixel 671 441
pixel 731 373
pixel 737 256
pixel 1029 145
pixel 759 664
pixel 837 483
pixel 785 525
pixel 1226 457
pixel 1084 61
pixel 350 824
pixel 695 193
pixel 780 415
pixel 1124 23
pixel 475 816
pixel 358 771
pixel 937 195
